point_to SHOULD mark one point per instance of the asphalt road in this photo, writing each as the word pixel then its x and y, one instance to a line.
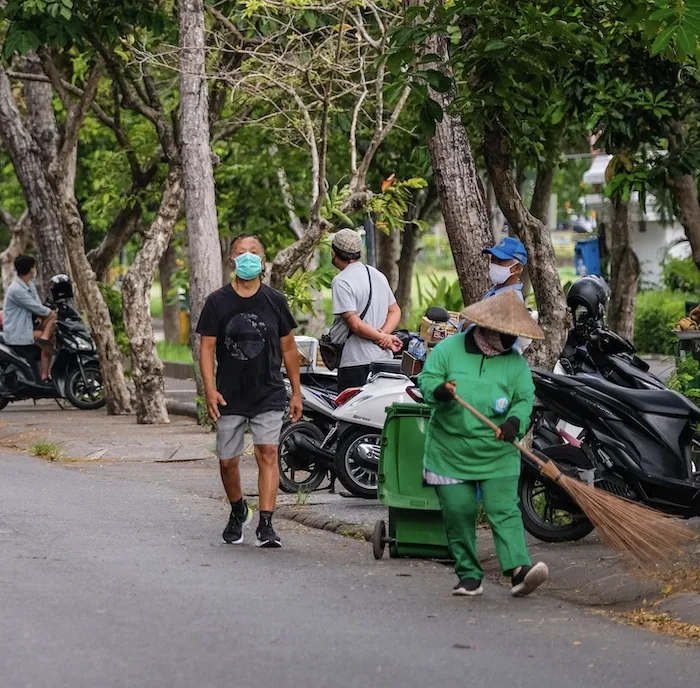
pixel 109 582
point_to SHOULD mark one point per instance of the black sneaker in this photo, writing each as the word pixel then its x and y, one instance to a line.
pixel 528 579
pixel 469 587
pixel 233 533
pixel 266 536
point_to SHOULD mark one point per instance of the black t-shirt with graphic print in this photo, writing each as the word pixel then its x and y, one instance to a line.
pixel 248 348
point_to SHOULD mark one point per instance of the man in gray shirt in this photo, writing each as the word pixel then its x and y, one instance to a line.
pixel 22 305
pixel 371 337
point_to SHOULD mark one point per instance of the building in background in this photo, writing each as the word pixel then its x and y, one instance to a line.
pixel 653 237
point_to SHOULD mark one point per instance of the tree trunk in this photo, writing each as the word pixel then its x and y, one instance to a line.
pixel 389 250
pixel 409 252
pixel 198 172
pixel 41 123
pixel 460 191
pixel 20 238
pixel 624 271
pixel 549 294
pixel 685 194
pixel 117 393
pixel 146 367
pixel 27 159
pixel 171 311
pixel 539 206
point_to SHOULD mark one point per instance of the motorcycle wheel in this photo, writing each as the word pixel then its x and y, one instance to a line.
pixel 299 475
pixel 549 514
pixel 86 397
pixel 355 478
pixel 3 403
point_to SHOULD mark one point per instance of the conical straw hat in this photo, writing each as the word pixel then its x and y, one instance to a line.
pixel 504 313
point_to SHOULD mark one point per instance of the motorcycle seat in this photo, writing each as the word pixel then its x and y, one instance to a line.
pixel 393 366
pixel 663 402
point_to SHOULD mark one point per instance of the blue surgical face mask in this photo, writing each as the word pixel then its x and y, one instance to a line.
pixel 248 266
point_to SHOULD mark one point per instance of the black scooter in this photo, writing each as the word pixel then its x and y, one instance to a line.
pixel 75 373
pixel 640 444
pixel 593 350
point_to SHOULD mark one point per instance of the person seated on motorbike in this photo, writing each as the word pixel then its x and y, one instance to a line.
pixel 22 306
pixel 462 454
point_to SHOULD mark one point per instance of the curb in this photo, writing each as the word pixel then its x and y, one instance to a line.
pixel 313 520
pixel 178 371
pixel 182 408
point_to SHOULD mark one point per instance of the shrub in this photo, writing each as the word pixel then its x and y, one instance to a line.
pixel 686 379
pixel 681 274
pixel 657 312
pixel 113 299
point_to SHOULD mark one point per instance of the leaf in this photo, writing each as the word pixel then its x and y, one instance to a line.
pixel 439 81
pixel 663 40
pixel 394 63
pixel 687 41
pixel 310 19
pixel 557 115
pixel 494 45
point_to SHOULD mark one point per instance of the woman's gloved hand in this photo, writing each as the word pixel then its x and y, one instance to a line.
pixel 446 391
pixel 509 430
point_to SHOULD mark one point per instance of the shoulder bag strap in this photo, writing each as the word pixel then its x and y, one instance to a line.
pixel 369 300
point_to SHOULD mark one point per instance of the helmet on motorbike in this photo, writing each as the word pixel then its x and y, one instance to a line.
pixel 61 287
pixel 588 297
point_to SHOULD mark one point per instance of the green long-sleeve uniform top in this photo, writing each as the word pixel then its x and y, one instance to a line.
pixel 457 444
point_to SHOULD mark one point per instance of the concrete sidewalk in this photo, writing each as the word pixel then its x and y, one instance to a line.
pixel 181 454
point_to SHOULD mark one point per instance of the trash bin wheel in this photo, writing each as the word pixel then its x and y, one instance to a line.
pixel 379 539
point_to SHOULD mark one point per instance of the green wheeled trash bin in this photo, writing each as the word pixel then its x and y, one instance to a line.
pixel 415 528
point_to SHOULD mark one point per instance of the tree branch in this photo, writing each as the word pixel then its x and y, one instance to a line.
pixel 377 140
pixel 76 113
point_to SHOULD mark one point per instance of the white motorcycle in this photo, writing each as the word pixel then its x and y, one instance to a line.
pixel 340 435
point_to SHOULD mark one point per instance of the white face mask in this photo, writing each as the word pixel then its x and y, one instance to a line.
pixel 498 274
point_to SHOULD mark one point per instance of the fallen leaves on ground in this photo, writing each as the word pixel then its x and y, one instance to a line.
pixel 661 622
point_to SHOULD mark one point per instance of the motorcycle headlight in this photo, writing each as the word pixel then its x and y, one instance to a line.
pixel 85 344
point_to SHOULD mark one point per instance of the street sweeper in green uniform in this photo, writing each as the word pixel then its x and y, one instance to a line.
pixel 461 453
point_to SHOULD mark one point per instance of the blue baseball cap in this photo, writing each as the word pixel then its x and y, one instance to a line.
pixel 509 248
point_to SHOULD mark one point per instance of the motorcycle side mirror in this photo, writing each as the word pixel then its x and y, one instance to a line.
pixel 437 314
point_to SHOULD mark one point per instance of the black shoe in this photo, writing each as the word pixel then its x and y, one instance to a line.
pixel 266 536
pixel 233 533
pixel 528 579
pixel 469 587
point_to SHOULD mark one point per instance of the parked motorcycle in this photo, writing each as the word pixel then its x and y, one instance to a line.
pixel 591 349
pixel 75 372
pixel 341 434
pixel 640 444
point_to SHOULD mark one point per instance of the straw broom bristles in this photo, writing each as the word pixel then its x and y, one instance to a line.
pixel 642 536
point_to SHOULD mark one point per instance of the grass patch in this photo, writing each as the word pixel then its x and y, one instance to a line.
pixel 156 301
pixel 301 498
pixel 169 351
pixel 46 450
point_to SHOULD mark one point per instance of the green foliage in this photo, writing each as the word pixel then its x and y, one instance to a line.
pixel 113 299
pixel 300 287
pixel 657 313
pixel 681 274
pixel 436 253
pixel 439 291
pixel 169 351
pixel 390 207
pixel 686 379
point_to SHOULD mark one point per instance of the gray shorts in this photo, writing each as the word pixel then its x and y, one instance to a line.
pixel 230 432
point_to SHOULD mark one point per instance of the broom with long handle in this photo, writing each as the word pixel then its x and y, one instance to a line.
pixel 643 536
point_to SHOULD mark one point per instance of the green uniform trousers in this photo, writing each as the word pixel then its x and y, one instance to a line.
pixel 459 510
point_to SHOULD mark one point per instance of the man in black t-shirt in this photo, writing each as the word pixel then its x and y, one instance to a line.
pixel 249 327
